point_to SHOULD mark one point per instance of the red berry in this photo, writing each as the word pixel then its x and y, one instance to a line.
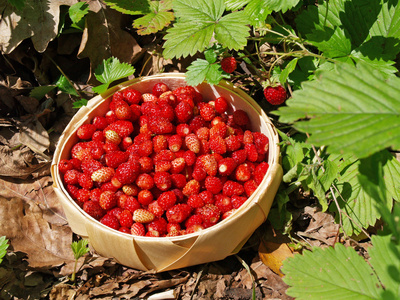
pixel 110 221
pixel 231 188
pixel 260 172
pixel 132 96
pixel 159 88
pixel 162 180
pixel 228 64
pixel 213 184
pixel 86 131
pixel 64 165
pixel 178 213
pixel 138 229
pixel 108 200
pixel 125 218
pixel 71 176
pixel 93 209
pixel 115 158
pixel 221 105
pixel 241 118
pixel 167 200
pixel 210 214
pixel 127 172
pixel 275 95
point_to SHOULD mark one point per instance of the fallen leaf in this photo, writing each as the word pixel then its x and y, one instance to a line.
pixel 38 20
pixel 273 254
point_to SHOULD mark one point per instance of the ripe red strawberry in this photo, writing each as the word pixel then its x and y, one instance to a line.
pixel 145 197
pixel 226 166
pixel 221 105
pixel 237 201
pixel 196 123
pixel 127 172
pixel 173 227
pixel 100 122
pixel 155 209
pixel 85 181
pixel 93 209
pixel 178 213
pixel 81 151
pixel 213 184
pixel 252 154
pixel 219 129
pixel 132 96
pixel 192 142
pixel 167 200
pixel 72 176
pixel 145 181
pixel 160 142
pixel 98 135
pixel 64 165
pixel 85 131
pixel 242 172
pixel 207 111
pixel 192 187
pixel 178 180
pixel 95 194
pixel 241 118
pixel 110 221
pixel 160 125
pixel 159 88
pixel 210 214
pixel 261 142
pixel 240 156
pixel 182 129
pixel 260 172
pixel 138 229
pixel 183 112
pixel 162 180
pixel 177 165
pixel 147 97
pixel 125 218
pixel 224 203
pixel 132 204
pixel 115 158
pixel 122 127
pixel 159 225
pixel 275 95
pixel 231 188
pixel 90 165
pixel 195 201
pixel 175 142
pixel 123 112
pixel 199 173
pixel 209 164
pixel 162 166
pixel 103 174
pixel 250 186
pixel 218 145
pixel 72 190
pixel 190 157
pixel 83 195
pixel 228 64
pixel 108 200
pixel 143 216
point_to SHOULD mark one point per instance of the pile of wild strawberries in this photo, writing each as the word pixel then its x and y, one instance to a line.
pixel 164 163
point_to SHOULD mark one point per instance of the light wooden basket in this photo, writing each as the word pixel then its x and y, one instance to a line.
pixel 167 253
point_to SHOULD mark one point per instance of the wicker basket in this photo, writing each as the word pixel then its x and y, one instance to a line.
pixel 167 253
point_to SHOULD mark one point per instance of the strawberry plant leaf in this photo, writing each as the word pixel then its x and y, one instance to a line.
pixel 38 92
pixel 257 11
pixel 288 69
pixel 130 7
pixel 201 70
pixel 159 18
pixel 78 11
pixel 3 247
pixel 18 4
pixel 278 5
pixel 111 70
pixel 236 4
pixel 79 103
pixel 357 202
pixel 65 86
pixel 331 273
pixel 198 22
pixel 347 109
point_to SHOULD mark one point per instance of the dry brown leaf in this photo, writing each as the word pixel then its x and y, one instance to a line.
pixel 47 245
pixel 104 37
pixel 273 254
pixel 61 291
pixel 34 136
pixel 38 20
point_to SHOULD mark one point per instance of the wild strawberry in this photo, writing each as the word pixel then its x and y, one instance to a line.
pixel 160 142
pixel 213 184
pixel 167 111
pixel 218 129
pixel 76 163
pixel 203 133
pixel 162 180
pixel 226 166
pixel 124 230
pixel 155 209
pixel 168 98
pixel 191 187
pixel 145 197
pixel 242 172
pixel 199 173
pixel 145 181
pixel 108 186
pixel 195 201
pixel 103 174
pixel 240 156
pixel 85 181
pixel 221 105
pixel 167 200
pixel 110 117
pixel 159 225
pixel 252 154
pixel 210 214
pixel 183 112
pixel 207 197
pixel 72 190
pixel 112 137
pixel 72 176
pixel 175 143
pixel 228 214
pixel 110 221
pixel 85 131
pixel 250 186
pixel 125 218
pixel 164 155
pixel 162 166
pixel 231 188
pixel 248 137
pixel 228 64
pixel 122 127
pixel 192 142
pixel 136 112
pixel 177 165
pixel 260 172
pixel 93 209
pixel 110 147
pixel 217 145
pixel 90 165
pixel 173 227
pixel 223 203
pixel 100 122
pixel 115 158
pixel 64 165
pixel 145 148
pixel 81 151
pixel 146 164
pixel 182 129
pixel 261 142
pixel 108 200
pixel 142 216
pixel 178 213
pixel 194 228
pixel 95 194
pixel 98 136
pixel 83 195
pixel 159 88
pixel 196 123
pixel 207 111
pixel 132 96
pixel 237 201
pixel 160 125
pixel 153 233
pixel 138 229
pixel 275 95
pixel 241 118
pixel 123 111
pixel 178 180
pixel 131 204
pixel 209 164
pixel 127 172
pixel 190 157
pixel 147 97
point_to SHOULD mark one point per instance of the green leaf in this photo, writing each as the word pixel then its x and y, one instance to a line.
pixel 348 108
pixel 257 12
pixel 357 201
pixel 201 70
pixel 159 18
pixel 3 247
pixel 385 259
pixel 78 11
pixel 80 248
pixel 130 7
pixel 333 43
pixel 198 22
pixel 330 273
pixel 236 4
pixel 79 103
pixel 18 4
pixel 39 92
pixel 65 86
pixel 111 70
pixel 279 5
pixel 288 69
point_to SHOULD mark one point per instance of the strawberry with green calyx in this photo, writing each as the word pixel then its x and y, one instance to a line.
pixel 229 64
pixel 274 93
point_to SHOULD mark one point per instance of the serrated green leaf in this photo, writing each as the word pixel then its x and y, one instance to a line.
pixel 279 5
pixel 130 7
pixel 210 56
pixel 111 70
pixel 198 22
pixel 38 92
pixel 3 247
pixel 332 42
pixel 354 197
pixel 201 70
pixel 257 11
pixel 349 108
pixel 65 86
pixel 236 4
pixel 80 248
pixel 79 103
pixel 330 273
pixel 78 11
pixel 289 68
pixel 385 259
pixel 156 20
